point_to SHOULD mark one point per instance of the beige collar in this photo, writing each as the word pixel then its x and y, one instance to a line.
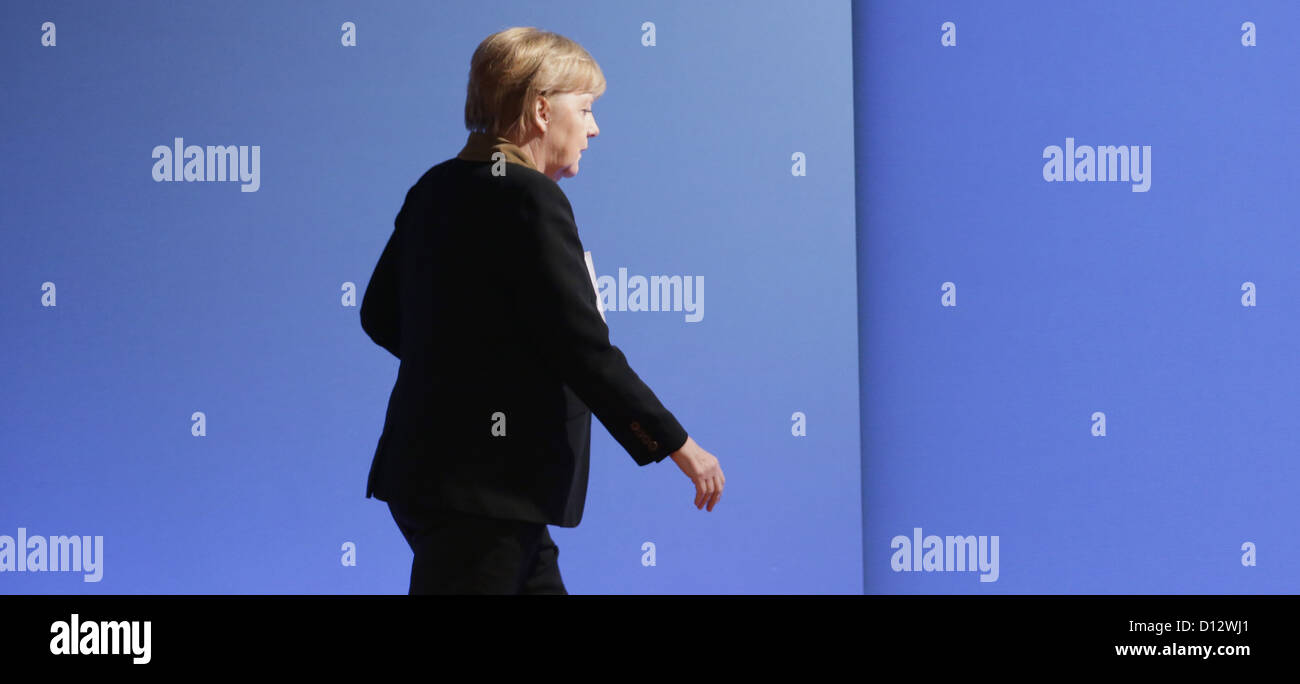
pixel 480 147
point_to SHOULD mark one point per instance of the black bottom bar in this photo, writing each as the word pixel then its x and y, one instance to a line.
pixel 198 633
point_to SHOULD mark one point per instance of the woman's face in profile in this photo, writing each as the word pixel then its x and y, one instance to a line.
pixel 572 121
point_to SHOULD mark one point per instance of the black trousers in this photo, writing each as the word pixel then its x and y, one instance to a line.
pixel 459 553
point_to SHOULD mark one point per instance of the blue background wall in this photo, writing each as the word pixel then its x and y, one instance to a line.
pixel 180 297
pixel 1075 298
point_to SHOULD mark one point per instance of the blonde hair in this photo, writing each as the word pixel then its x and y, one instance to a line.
pixel 511 68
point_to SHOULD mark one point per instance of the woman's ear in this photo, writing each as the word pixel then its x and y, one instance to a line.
pixel 542 113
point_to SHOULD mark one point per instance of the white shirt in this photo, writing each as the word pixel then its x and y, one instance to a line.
pixel 591 270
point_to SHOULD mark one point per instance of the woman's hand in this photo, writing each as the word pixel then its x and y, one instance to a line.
pixel 703 469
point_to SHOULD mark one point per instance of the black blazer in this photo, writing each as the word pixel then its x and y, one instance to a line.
pixel 483 293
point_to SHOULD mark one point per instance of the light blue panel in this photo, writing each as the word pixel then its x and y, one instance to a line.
pixel 1080 298
pixel 177 297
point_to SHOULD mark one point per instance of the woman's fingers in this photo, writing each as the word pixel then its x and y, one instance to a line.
pixel 707 491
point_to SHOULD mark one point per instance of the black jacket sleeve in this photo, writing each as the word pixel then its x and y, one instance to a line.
pixel 379 307
pixel 559 304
